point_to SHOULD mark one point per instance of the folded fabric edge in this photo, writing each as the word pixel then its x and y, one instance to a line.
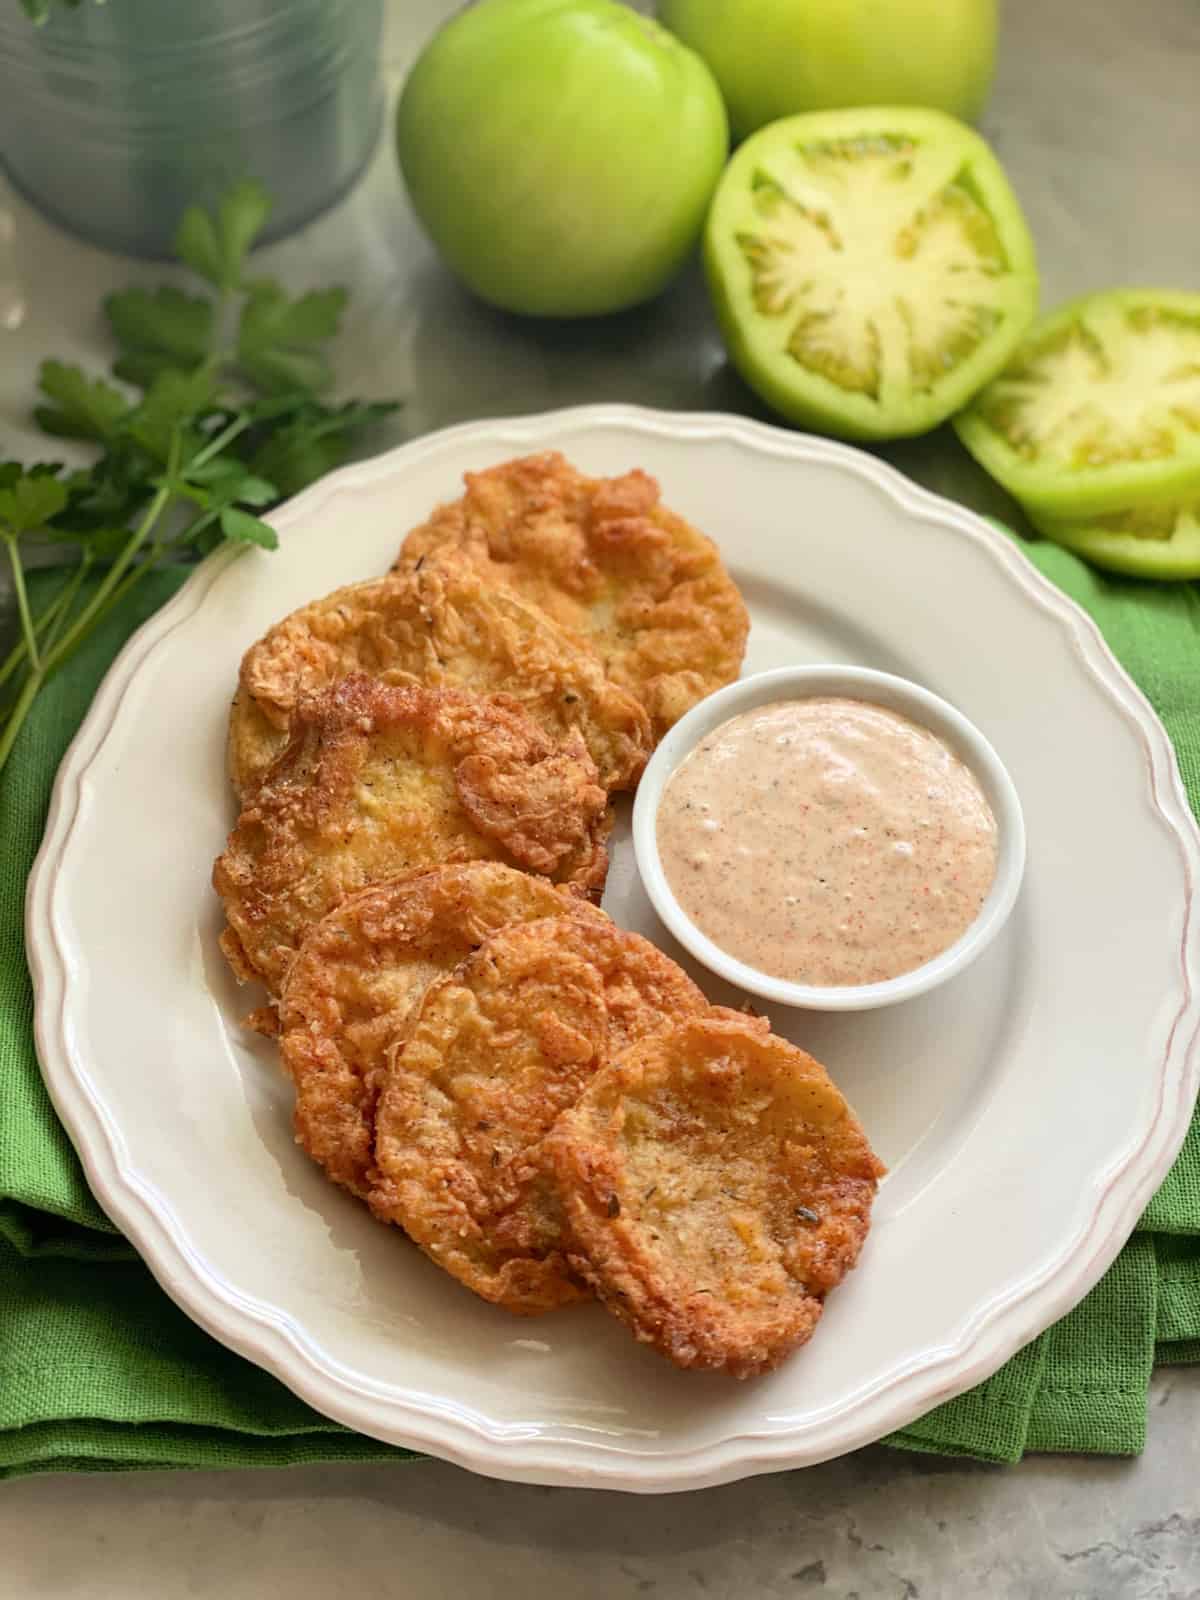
pixel 95 1446
pixel 33 1233
pixel 931 1447
pixel 1178 1301
pixel 1177 1353
pixel 1103 1421
pixel 988 1423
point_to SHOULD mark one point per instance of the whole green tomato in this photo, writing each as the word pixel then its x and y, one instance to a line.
pixel 561 153
pixel 773 58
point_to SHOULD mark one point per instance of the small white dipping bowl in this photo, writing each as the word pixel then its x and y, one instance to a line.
pixel 853 683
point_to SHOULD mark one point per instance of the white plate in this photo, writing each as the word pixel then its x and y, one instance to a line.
pixel 1027 1110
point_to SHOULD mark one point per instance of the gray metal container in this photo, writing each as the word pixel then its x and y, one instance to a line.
pixel 114 117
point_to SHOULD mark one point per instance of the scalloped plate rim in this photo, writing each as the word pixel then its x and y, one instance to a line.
pixel 271 1339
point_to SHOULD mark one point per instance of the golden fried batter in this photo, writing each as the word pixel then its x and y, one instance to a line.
pixel 716 1186
pixel 358 977
pixel 606 559
pixel 496 1052
pixel 446 629
pixel 377 781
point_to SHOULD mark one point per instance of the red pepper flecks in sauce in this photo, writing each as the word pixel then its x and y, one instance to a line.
pixel 827 841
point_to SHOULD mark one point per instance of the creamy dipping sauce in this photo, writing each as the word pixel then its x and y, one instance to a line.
pixel 827 841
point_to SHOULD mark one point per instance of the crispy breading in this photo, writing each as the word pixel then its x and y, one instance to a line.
pixel 716 1187
pixel 358 977
pixel 377 781
pixel 446 629
pixel 496 1052
pixel 606 559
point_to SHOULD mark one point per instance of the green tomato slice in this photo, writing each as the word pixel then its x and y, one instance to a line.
pixel 1153 541
pixel 870 269
pixel 1099 410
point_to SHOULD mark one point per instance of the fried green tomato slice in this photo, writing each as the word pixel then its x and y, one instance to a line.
pixel 609 563
pixel 359 976
pixel 870 269
pixel 1152 541
pixel 496 1053
pixel 1098 412
pixel 378 781
pixel 445 629
pixel 716 1187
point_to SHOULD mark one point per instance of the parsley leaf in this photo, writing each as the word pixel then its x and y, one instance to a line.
pixel 240 525
pixel 82 408
pixel 216 249
pixel 314 440
pixel 277 337
pixel 10 471
pixel 106 495
pixel 196 243
pixel 216 434
pixel 226 479
pixel 157 330
pixel 29 501
pixel 241 214
pixel 175 401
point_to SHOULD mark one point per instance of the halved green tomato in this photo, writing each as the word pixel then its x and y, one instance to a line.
pixel 870 269
pixel 1099 410
pixel 1155 541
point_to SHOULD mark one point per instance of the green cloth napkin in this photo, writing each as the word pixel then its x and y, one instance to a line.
pixel 99 1371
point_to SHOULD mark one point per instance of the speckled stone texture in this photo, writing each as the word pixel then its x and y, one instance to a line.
pixel 874 1526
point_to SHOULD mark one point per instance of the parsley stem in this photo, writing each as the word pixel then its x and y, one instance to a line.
pixel 149 562
pixel 12 661
pixel 18 714
pixel 20 650
pixel 112 578
pixel 75 634
pixel 27 627
pixel 215 446
pixel 61 608
pixel 187 533
pixel 159 548
pixel 131 581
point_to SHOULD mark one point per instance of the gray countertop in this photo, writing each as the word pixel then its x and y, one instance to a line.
pixel 876 1525
pixel 1095 114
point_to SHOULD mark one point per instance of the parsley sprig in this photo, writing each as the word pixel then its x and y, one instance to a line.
pixel 215 415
